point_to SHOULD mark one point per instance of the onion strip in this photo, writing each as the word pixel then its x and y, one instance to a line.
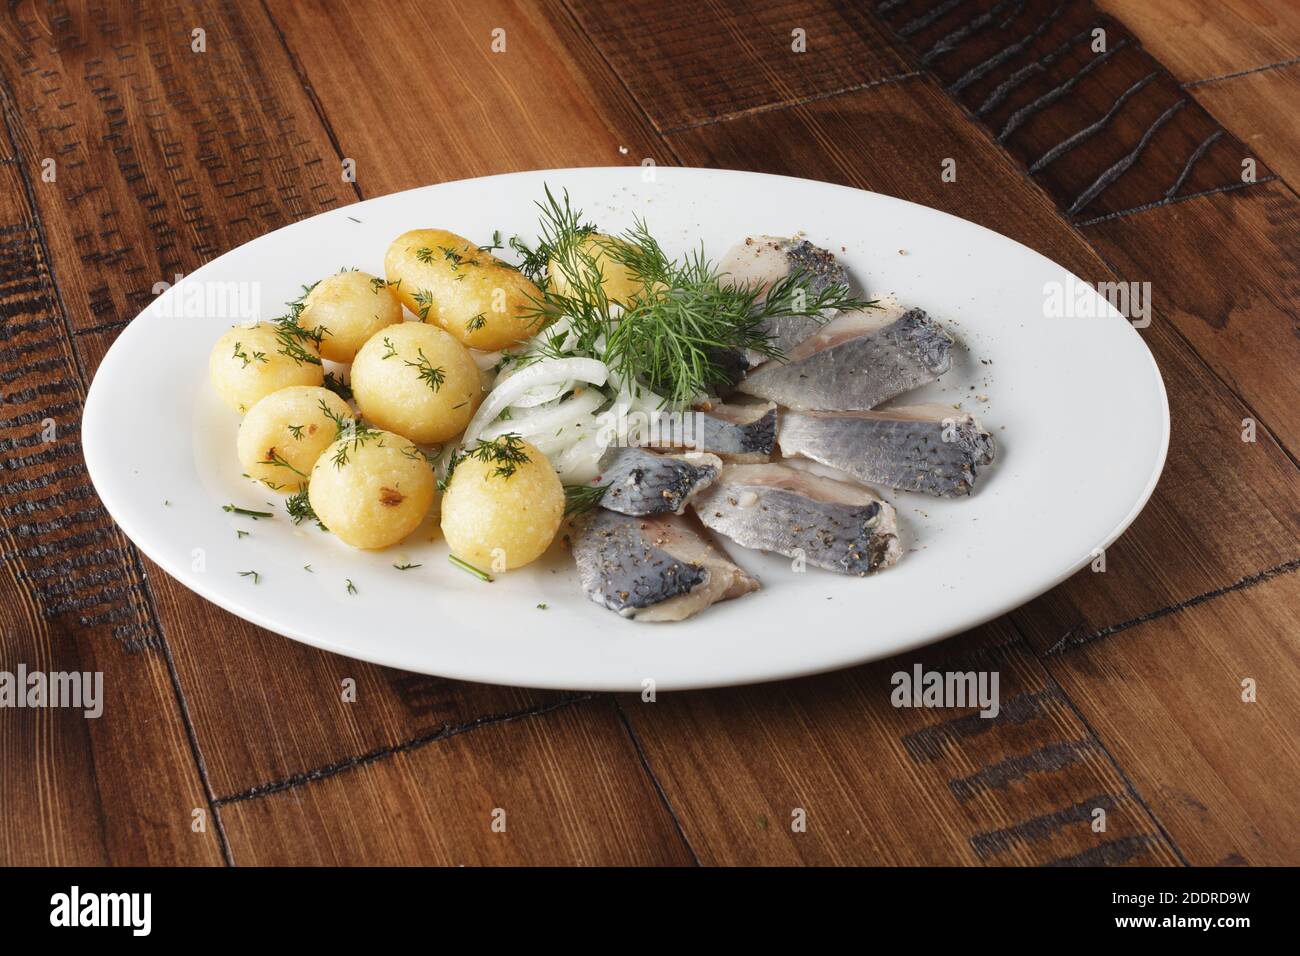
pixel 545 372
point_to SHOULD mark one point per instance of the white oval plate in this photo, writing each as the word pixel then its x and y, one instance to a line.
pixel 1076 404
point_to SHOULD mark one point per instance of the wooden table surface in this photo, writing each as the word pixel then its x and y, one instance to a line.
pixel 1163 149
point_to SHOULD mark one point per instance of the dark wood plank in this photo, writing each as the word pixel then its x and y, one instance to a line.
pixel 1103 127
pixel 167 157
pixel 1261 110
pixel 119 788
pixel 570 784
pixel 1197 39
pixel 688 63
pixel 1166 698
pixel 415 94
pixel 1225 270
pixel 1176 551
pixel 878 784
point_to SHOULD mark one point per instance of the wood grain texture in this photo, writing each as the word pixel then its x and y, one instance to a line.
pixel 415 94
pixel 687 62
pixel 165 158
pixel 1225 270
pixel 1166 698
pixel 1071 93
pixel 119 788
pixel 1261 110
pixel 1198 39
pixel 878 784
pixel 570 784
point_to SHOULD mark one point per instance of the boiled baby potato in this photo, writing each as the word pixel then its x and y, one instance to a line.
pixel 503 505
pixel 371 488
pixel 418 381
pixel 250 362
pixel 619 283
pixel 348 308
pixel 283 434
pixel 447 280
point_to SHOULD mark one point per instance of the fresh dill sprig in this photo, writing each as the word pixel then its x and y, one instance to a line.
pixel 274 458
pixel 296 431
pixel 353 430
pixel 506 451
pixel 250 574
pixel 476 322
pixel 352 588
pixel 582 498
pixel 377 283
pixel 233 509
pixel 424 254
pixel 407 566
pixel 424 300
pixel 248 360
pixel 496 242
pixel 299 508
pixel 339 387
pixel 430 375
pixel 469 568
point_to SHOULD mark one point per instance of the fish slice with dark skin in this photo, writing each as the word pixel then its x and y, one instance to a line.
pixel 855 363
pixel 653 569
pixel 831 524
pixel 764 260
pixel 933 449
pixel 641 482
pixel 736 433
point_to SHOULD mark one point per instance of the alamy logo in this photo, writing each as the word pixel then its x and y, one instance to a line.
pixel 1075 299
pixel 922 688
pixel 206 299
pixel 76 689
pixel 103 909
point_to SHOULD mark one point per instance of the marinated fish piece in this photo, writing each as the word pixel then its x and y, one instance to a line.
pixel 856 363
pixel 832 524
pixel 738 433
pixel 765 260
pixel 645 483
pixel 653 569
pixel 932 448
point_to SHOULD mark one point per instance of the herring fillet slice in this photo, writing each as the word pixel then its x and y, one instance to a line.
pixel 932 449
pixel 653 569
pixel 832 524
pixel 855 368
pixel 645 483
pixel 764 260
pixel 738 433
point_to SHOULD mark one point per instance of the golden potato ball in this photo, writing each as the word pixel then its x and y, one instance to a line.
pixel 283 434
pixel 348 308
pixel 447 280
pixel 500 514
pixel 617 279
pixel 249 363
pixel 372 489
pixel 418 381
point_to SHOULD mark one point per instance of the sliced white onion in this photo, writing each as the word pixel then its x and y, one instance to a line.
pixel 548 420
pixel 580 463
pixel 543 372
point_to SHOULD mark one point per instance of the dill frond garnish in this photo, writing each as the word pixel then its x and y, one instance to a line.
pixel 506 451
pixel 476 322
pixel 582 498
pixel 339 387
pixel 300 509
pixel 354 431
pixel 469 568
pixel 352 588
pixel 378 283
pixel 247 513
pixel 683 332
pixel 296 431
pixel 273 457
pixel 250 574
pixel 423 299
pixel 430 375
pixel 247 359
pixel 496 242
pixel 407 567
pixel 424 254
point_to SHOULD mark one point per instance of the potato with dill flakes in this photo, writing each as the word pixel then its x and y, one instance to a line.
pixel 619 283
pixel 347 309
pixel 250 362
pixel 418 381
pixel 503 504
pixel 283 434
pixel 447 280
pixel 371 488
